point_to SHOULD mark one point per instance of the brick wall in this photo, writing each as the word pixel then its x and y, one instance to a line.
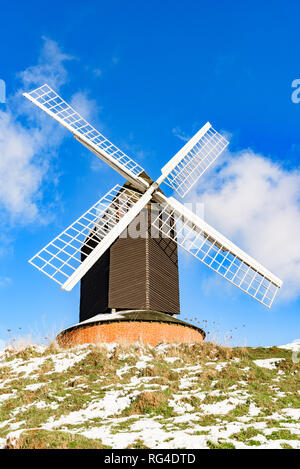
pixel 151 333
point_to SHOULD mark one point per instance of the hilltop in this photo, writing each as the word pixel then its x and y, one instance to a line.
pixel 168 396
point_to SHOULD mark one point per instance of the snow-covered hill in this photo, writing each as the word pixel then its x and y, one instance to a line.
pixel 294 346
pixel 169 396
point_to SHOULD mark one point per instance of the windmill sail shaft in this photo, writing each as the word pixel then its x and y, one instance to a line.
pixel 73 252
pixel 51 103
pixel 108 240
pixel 138 182
pixel 62 256
pixel 217 252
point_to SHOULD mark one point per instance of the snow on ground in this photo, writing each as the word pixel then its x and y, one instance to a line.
pixel 269 363
pixel 4 397
pixel 63 363
pixel 33 387
pixel 200 402
pixel 293 413
pixel 18 366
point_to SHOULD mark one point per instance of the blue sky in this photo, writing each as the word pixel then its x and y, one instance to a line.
pixel 149 75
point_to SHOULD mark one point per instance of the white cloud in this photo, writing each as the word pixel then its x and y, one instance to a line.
pixel 85 106
pixel 255 202
pixel 25 143
pixel 4 281
pixel 20 176
pixel 89 109
pixel 177 132
pixel 50 68
pixel 99 165
pixel 97 72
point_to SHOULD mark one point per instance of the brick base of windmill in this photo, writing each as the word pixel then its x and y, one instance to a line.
pixel 127 327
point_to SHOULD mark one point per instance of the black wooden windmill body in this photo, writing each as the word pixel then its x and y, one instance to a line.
pixel 120 272
pixel 139 272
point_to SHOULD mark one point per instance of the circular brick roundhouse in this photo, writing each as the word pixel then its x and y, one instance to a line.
pixel 127 327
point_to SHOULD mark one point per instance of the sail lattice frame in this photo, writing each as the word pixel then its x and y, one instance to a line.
pixel 64 255
pixel 220 255
pixel 194 159
pixel 50 102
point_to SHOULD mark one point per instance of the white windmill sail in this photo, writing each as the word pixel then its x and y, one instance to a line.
pixel 72 253
pixel 50 102
pixel 194 158
pixel 217 252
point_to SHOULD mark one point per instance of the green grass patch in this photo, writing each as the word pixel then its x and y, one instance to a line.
pixel 283 435
pixel 285 446
pixel 246 434
pixel 224 445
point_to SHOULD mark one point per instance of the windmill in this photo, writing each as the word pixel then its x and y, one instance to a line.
pixel 129 285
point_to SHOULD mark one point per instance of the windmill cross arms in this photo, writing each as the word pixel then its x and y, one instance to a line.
pixel 217 252
pixel 51 103
pixel 73 252
pixel 185 168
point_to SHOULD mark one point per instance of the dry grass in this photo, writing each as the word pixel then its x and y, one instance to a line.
pixel 154 402
pixel 149 400
pixel 43 439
